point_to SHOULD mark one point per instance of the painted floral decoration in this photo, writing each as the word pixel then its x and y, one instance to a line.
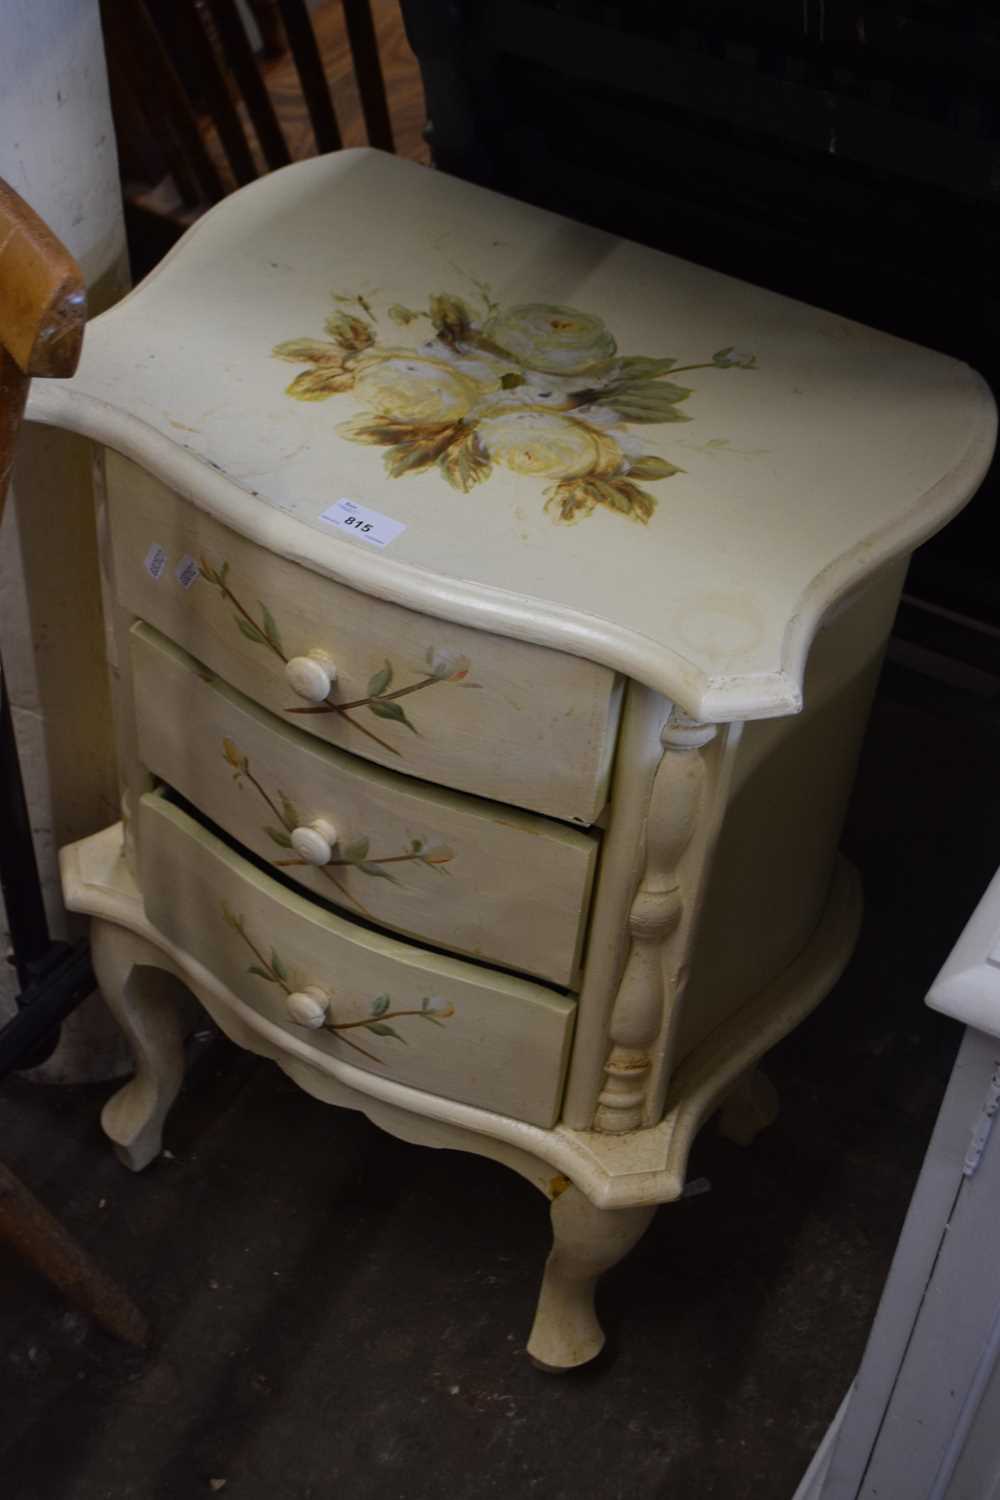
pixel 271 967
pixel 381 699
pixel 352 854
pixel 537 388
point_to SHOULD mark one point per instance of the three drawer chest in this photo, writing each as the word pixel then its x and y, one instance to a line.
pixel 493 609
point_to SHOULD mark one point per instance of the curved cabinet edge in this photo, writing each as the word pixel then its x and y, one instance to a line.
pixel 710 699
pixel 647 1166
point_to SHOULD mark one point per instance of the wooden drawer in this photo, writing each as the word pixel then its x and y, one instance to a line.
pixel 502 885
pixel 497 717
pixel 458 1030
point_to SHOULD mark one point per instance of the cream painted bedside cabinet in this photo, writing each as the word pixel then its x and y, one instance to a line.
pixel 494 608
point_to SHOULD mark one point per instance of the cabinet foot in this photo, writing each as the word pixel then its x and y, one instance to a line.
pixel 148 1003
pixel 586 1242
pixel 750 1108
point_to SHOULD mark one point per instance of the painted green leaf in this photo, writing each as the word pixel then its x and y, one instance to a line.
pixel 349 332
pixel 628 498
pixel 510 381
pixel 642 367
pixel 652 467
pixel 379 681
pixel 416 845
pixel 290 813
pixel 278 836
pixel 607 493
pixel 277 965
pixel 270 628
pixel 378 430
pixel 223 573
pixel 380 1005
pixel 569 500
pixel 576 497
pixel 251 631
pixel 465 462
pixel 320 383
pixel 425 1015
pixel 383 710
pixel 660 392
pixel 450 317
pixel 356 850
pixel 305 351
pixel 381 1029
pixel 373 869
pixel 261 973
pixel 413 455
pixel 645 403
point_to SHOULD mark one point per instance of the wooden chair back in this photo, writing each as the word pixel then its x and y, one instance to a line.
pixel 173 62
pixel 43 308
pixel 42 312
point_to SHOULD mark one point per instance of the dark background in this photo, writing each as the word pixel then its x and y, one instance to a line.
pixel 844 154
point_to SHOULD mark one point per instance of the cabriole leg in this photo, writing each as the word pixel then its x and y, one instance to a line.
pixel 585 1242
pixel 149 1005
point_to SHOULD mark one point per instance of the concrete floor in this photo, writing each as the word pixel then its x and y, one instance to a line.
pixel 340 1314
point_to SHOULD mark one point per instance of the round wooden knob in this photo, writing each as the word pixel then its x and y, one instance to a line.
pixel 314 842
pixel 312 676
pixel 308 1007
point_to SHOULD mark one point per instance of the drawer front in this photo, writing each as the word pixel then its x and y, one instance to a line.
pixel 506 886
pixel 478 712
pixel 455 1029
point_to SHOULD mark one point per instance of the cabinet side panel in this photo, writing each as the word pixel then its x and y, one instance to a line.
pixel 790 789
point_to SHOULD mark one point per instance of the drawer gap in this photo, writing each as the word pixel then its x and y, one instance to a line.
pixel 171 795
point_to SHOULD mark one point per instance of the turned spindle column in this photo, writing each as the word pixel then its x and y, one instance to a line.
pixel 653 967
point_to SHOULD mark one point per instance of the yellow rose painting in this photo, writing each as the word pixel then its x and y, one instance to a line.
pixel 537 388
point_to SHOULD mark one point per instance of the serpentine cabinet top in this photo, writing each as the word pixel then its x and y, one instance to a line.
pixel 549 432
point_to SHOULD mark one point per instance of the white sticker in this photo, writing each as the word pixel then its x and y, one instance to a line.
pixel 186 571
pixel 156 561
pixel 369 525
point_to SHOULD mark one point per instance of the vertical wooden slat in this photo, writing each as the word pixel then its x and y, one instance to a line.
pixel 239 54
pixel 309 63
pixel 267 14
pixel 42 312
pixel 148 145
pixel 162 95
pixel 141 157
pixel 368 72
pixel 215 89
